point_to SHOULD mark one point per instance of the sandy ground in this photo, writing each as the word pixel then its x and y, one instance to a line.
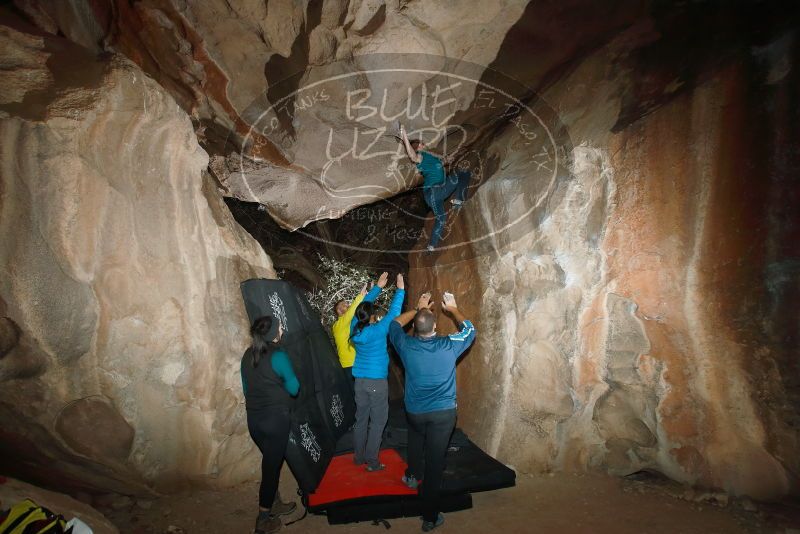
pixel 560 503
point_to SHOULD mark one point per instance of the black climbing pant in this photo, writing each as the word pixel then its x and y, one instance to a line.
pixel 428 437
pixel 269 428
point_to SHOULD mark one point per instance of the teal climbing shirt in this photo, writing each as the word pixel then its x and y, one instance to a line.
pixel 282 366
pixel 431 169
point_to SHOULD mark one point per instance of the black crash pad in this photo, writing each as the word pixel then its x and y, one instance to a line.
pixel 468 470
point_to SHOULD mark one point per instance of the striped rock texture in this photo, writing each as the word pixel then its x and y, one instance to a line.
pixel 122 323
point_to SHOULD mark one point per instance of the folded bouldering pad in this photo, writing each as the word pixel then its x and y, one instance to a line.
pixel 349 493
pixel 346 481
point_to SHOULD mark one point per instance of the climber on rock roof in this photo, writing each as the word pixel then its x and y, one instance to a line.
pixel 437 186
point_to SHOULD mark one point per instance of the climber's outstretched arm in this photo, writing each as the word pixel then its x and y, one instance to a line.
pixel 413 155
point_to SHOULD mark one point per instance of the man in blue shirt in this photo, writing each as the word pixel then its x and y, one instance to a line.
pixel 430 396
pixel 436 186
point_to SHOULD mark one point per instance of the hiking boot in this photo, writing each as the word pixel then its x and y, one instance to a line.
pixel 266 523
pixel 280 508
pixel 378 467
pixel 427 526
pixel 411 482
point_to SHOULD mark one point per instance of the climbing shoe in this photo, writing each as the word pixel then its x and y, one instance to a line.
pixel 379 467
pixel 411 481
pixel 280 508
pixel 266 523
pixel 427 526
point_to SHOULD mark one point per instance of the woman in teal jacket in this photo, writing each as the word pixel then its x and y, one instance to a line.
pixel 370 371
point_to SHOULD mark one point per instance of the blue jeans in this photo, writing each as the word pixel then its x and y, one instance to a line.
pixel 436 195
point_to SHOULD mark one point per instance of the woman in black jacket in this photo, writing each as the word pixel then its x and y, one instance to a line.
pixel 269 383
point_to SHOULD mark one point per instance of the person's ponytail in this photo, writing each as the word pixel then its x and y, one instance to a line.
pixel 364 311
pixel 263 344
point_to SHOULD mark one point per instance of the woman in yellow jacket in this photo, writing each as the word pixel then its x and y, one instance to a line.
pixel 341 328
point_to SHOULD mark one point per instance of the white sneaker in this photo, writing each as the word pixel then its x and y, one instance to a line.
pixel 456 202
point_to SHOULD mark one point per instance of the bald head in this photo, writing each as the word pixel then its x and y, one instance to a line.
pixel 424 322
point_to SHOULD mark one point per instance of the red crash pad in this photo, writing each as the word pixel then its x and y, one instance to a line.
pixel 344 480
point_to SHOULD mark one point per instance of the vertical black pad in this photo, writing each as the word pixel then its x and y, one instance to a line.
pixel 324 408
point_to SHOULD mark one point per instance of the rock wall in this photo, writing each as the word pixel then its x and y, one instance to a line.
pixel 229 63
pixel 120 315
pixel 643 321
pixel 640 315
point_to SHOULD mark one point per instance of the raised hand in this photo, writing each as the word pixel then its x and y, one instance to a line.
pixel 400 282
pixel 382 279
pixel 424 301
pixel 448 301
pixel 363 291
